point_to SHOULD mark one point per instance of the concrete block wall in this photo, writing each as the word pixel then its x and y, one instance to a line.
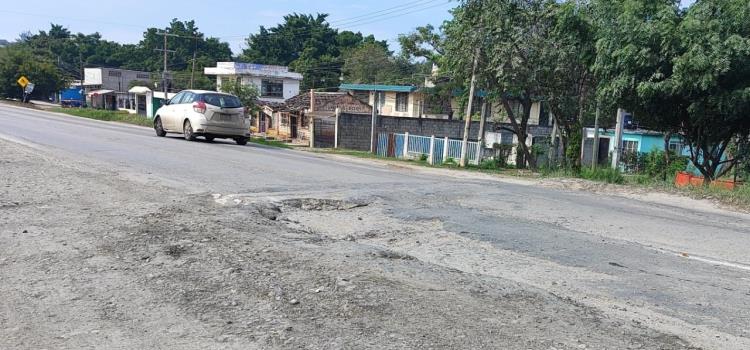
pixel 354 129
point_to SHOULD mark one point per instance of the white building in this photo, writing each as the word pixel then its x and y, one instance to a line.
pixel 274 83
pixel 107 88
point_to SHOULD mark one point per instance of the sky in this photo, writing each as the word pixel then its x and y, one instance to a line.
pixel 231 21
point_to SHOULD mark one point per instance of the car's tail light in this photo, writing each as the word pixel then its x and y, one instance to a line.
pixel 199 107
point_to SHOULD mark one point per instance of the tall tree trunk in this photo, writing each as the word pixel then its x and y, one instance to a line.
pixel 523 156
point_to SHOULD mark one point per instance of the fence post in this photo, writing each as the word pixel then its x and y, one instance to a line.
pixel 336 129
pixel 406 144
pixel 312 132
pixel 479 152
pixel 445 149
pixel 431 158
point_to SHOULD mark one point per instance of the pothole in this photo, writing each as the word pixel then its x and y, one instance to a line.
pixel 316 204
pixel 390 254
pixel 175 250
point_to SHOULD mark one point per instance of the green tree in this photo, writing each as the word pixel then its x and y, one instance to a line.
pixel 372 63
pixel 71 51
pixel 18 61
pixel 248 94
pixel 510 38
pixel 425 42
pixel 687 71
pixel 308 45
pixel 566 81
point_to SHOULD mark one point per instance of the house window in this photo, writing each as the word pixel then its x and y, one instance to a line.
pixel 272 88
pixel 629 146
pixel 675 147
pixel 115 73
pixel 402 101
pixel 543 114
pixel 284 120
pixel 381 101
pixel 631 159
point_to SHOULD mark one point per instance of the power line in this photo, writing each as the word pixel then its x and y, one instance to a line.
pixel 359 22
pixel 348 22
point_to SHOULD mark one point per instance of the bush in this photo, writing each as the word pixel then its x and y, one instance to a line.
pixel 502 152
pixel 607 175
pixel 653 163
pixel 423 157
pixel 676 165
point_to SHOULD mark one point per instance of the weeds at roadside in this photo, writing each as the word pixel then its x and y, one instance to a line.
pixel 608 175
pixel 272 143
pixel 109 116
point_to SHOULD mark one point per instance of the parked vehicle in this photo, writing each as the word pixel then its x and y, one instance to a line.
pixel 208 114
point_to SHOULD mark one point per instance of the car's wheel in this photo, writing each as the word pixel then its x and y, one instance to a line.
pixel 159 128
pixel 188 131
pixel 209 138
pixel 241 140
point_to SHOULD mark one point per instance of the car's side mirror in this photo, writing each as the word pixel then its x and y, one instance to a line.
pixel 166 102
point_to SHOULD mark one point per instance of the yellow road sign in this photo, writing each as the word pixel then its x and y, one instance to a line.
pixel 23 81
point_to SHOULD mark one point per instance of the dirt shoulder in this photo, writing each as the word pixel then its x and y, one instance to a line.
pixel 91 260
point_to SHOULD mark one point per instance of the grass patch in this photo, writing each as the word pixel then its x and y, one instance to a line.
pixel 109 116
pixel 739 197
pixel 608 175
pixel 271 143
pixel 348 152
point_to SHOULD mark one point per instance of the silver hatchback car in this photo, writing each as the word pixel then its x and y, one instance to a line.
pixel 209 114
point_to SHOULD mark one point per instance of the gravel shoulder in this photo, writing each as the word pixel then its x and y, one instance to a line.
pixel 92 259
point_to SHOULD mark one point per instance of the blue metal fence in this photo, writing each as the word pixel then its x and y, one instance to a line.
pixel 437 154
pixel 382 145
pixel 418 146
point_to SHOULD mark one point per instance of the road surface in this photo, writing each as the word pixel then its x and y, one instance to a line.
pixel 671 269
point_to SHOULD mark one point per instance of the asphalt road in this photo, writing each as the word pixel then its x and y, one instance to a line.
pixel 682 266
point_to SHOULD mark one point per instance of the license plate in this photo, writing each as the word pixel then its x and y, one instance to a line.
pixel 225 117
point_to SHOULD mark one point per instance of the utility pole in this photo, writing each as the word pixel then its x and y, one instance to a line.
pixel 617 153
pixel 467 116
pixel 83 78
pixel 482 121
pixel 595 153
pixel 373 133
pixel 195 53
pixel 166 51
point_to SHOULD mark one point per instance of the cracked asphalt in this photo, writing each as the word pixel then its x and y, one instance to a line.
pixel 114 238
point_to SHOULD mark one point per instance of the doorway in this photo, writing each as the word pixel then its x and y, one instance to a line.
pixel 603 151
pixel 294 126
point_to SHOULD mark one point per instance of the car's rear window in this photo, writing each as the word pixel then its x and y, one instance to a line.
pixel 223 101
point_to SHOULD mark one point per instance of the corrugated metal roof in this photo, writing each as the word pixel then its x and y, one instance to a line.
pixel 375 87
pixel 100 92
pixel 139 90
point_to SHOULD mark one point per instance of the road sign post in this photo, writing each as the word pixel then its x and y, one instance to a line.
pixel 27 87
pixel 23 81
